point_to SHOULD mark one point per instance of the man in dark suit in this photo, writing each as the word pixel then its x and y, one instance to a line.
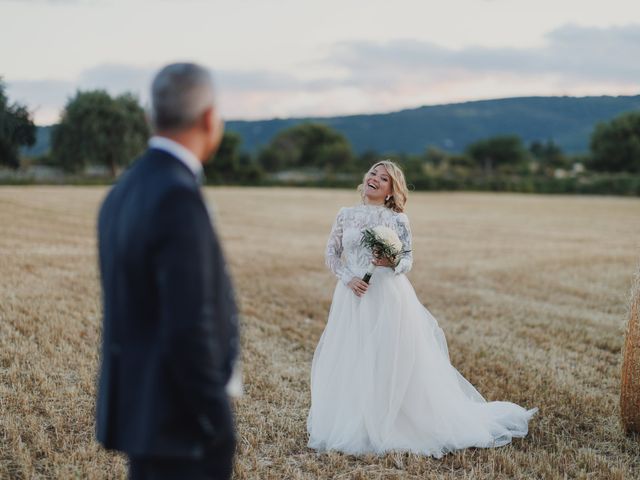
pixel 170 324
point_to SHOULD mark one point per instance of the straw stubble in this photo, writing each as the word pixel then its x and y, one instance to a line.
pixel 530 290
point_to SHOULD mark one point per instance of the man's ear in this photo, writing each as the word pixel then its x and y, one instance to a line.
pixel 208 119
pixel 215 127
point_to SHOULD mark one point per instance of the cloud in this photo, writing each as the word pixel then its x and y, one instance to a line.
pixel 251 80
pixel 245 93
pixel 569 52
pixel 52 2
pixel 44 98
pixel 116 78
pixel 361 77
pixel 39 91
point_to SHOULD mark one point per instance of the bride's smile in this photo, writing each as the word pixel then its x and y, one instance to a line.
pixel 377 186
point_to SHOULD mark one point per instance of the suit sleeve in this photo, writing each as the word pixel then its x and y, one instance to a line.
pixel 196 327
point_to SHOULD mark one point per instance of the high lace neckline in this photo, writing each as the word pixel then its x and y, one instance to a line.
pixel 368 205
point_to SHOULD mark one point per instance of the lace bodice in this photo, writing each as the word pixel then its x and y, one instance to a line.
pixel 346 257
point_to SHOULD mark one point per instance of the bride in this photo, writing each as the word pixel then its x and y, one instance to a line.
pixel 381 378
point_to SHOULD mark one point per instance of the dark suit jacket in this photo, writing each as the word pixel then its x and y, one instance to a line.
pixel 170 322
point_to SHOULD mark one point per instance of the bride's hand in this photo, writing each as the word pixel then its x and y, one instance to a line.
pixel 358 286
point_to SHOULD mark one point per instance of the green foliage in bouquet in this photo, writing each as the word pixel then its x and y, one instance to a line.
pixel 383 244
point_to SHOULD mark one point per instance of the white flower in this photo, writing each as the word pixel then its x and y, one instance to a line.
pixel 389 237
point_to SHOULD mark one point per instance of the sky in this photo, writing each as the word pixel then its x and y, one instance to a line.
pixel 292 58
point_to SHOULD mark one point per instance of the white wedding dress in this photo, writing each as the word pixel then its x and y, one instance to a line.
pixel 381 377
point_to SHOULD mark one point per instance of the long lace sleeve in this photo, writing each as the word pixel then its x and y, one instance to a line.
pixel 404 232
pixel 333 253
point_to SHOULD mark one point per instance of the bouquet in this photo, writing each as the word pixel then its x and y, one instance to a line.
pixel 383 243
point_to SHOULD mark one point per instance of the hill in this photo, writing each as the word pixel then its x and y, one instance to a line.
pixel 568 121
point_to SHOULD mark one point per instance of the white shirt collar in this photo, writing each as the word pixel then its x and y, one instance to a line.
pixel 179 151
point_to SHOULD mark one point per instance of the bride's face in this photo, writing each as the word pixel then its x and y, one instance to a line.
pixel 377 184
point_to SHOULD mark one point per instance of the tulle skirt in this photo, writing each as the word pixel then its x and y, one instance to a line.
pixel 381 380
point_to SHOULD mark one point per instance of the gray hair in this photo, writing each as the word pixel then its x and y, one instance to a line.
pixel 180 93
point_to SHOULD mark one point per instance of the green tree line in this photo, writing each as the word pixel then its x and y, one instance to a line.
pixel 98 129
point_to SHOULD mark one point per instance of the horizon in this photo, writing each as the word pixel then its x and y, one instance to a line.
pixel 321 59
pixel 479 100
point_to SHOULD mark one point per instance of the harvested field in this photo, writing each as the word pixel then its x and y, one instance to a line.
pixel 532 292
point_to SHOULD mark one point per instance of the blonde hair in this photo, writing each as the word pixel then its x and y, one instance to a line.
pixel 399 190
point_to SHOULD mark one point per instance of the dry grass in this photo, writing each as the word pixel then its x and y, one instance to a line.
pixel 531 291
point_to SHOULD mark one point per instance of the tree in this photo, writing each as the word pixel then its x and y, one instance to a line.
pixel 332 156
pixel 230 165
pixel 284 151
pixel 367 159
pixel 100 130
pixel 413 166
pixel 436 157
pixel 225 162
pixel 549 156
pixel 498 152
pixel 307 145
pixel 615 145
pixel 16 129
